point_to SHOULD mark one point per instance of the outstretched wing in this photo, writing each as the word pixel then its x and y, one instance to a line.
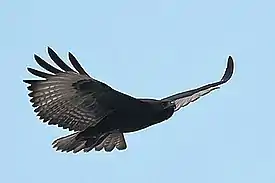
pixel 72 99
pixel 184 98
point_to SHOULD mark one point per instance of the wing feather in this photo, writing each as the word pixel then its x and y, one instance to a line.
pixel 184 98
pixel 45 65
pixel 76 64
pixel 58 60
pixel 60 103
pixel 39 73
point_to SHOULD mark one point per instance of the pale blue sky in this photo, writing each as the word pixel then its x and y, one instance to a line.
pixel 147 49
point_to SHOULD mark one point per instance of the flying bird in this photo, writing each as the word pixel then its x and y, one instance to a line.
pixel 99 115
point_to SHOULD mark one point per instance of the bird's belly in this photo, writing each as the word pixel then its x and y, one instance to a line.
pixel 141 122
pixel 131 129
pixel 134 121
pixel 127 123
pixel 136 124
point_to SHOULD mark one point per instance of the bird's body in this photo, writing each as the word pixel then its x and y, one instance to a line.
pixel 147 113
pixel 97 113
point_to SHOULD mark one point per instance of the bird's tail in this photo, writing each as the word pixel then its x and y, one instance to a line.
pixel 76 142
pixel 72 143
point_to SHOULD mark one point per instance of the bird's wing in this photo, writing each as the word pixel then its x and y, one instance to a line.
pixel 113 140
pixel 72 99
pixel 184 98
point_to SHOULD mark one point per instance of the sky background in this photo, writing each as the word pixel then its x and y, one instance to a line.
pixel 147 49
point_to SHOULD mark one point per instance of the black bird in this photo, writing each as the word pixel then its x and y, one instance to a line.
pixel 98 114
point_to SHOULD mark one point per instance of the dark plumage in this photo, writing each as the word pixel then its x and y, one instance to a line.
pixel 98 114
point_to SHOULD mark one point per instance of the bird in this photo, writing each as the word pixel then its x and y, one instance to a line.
pixel 97 115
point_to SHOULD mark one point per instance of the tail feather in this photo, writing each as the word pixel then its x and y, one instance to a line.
pixel 75 143
pixel 113 140
pixel 68 143
pixel 79 148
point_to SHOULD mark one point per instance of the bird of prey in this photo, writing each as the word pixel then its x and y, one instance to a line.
pixel 99 115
